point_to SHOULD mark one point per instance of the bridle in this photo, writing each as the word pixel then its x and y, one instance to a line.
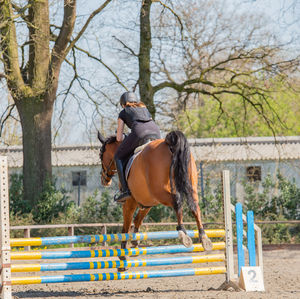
pixel 107 173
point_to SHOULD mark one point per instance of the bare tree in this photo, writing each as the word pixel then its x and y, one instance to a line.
pixel 205 49
pixel 228 53
pixel 32 55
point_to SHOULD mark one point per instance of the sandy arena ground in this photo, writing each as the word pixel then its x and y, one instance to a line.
pixel 281 278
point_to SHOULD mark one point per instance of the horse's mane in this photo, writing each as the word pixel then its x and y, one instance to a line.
pixel 108 140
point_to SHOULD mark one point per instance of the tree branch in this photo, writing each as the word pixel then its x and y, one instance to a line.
pixel 105 65
pixel 174 13
pixel 5 116
pixel 126 47
pixel 94 13
pixel 9 47
pixel 60 49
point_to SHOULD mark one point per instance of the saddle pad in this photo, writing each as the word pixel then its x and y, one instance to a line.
pixel 137 151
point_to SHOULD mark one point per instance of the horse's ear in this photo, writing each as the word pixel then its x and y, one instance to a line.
pixel 101 138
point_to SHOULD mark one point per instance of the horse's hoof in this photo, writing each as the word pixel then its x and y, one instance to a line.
pixel 134 244
pixel 185 239
pixel 122 269
pixel 122 258
pixel 206 243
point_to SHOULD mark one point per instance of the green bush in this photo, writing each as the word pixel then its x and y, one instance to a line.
pixel 50 204
pixel 100 207
pixel 289 198
pixel 161 213
pixel 212 203
pixel 17 205
pixel 275 202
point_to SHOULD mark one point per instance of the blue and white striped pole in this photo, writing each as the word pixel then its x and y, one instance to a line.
pixel 34 255
pixel 118 264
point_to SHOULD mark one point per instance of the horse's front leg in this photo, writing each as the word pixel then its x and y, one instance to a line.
pixel 138 220
pixel 182 235
pixel 128 210
pixel 203 238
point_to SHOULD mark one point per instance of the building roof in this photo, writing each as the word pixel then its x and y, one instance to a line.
pixel 246 148
pixel 76 155
pixel 205 149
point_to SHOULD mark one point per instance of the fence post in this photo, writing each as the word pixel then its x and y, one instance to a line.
pixel 4 231
pixel 258 243
pixel 27 235
pixel 104 232
pixel 71 233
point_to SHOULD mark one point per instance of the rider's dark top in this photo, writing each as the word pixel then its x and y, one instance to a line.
pixel 131 114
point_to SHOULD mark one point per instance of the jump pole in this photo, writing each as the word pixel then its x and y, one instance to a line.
pixel 118 276
pixel 34 255
pixel 162 235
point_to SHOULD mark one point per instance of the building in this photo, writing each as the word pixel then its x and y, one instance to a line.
pixel 249 159
pixel 77 168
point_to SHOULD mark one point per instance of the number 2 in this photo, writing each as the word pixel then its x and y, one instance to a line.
pixel 253 273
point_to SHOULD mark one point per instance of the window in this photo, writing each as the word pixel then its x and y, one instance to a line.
pixel 253 173
pixel 79 178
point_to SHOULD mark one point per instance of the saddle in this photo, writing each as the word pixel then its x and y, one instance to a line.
pixel 144 142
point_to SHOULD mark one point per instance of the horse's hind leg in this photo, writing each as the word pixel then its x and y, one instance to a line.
pixel 138 219
pixel 128 210
pixel 203 238
pixel 182 235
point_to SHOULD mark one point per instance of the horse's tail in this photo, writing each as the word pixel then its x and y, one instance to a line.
pixel 180 176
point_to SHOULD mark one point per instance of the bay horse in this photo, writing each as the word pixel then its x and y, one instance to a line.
pixel 163 173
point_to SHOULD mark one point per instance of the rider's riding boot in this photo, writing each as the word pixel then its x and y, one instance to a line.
pixel 125 192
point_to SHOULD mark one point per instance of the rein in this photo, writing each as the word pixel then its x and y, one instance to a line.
pixel 105 171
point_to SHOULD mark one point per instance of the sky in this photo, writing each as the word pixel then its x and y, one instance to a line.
pixel 80 124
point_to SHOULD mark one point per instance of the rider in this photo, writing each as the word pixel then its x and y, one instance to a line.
pixel 137 118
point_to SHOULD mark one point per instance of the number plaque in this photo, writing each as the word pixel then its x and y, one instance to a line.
pixel 251 279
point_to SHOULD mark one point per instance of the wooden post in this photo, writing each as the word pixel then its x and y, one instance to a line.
pixel 259 250
pixel 27 235
pixel 104 232
pixel 4 231
pixel 71 233
pixel 230 276
pixel 228 225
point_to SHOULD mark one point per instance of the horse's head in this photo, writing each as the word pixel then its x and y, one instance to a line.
pixel 107 152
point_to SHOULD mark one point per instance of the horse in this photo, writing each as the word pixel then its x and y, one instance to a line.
pixel 163 173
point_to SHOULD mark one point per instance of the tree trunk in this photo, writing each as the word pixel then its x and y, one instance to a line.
pixel 33 85
pixel 146 89
pixel 36 116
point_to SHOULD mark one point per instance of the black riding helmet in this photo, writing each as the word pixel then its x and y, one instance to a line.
pixel 128 97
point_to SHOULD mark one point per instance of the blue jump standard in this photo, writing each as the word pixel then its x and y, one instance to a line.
pixel 239 236
pixel 251 238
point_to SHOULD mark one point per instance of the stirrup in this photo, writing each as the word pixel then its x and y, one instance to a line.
pixel 121 196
